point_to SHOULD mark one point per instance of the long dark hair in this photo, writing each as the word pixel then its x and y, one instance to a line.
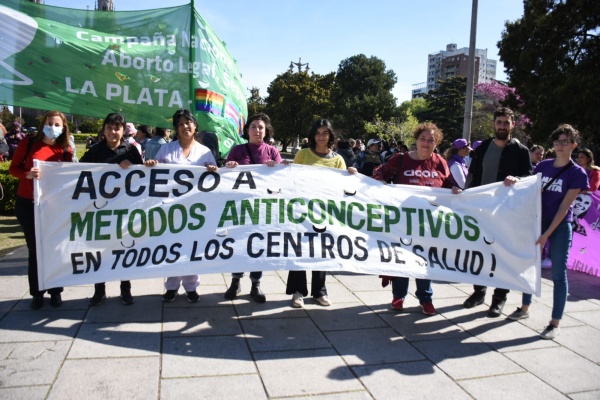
pixel 313 132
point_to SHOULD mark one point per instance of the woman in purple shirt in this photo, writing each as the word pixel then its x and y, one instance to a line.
pixel 257 132
pixel 562 180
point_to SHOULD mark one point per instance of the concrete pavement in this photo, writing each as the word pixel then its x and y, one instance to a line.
pixel 356 349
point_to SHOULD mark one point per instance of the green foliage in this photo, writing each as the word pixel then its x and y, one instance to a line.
pixel 447 106
pixel 552 57
pixel 362 92
pixel 296 100
pixel 256 104
pixel 9 186
pixel 414 108
pixel 90 125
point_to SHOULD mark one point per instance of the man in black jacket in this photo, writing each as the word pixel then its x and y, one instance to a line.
pixel 493 161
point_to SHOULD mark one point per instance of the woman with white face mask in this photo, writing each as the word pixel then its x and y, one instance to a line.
pixel 51 143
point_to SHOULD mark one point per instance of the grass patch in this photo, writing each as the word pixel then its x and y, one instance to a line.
pixel 11 235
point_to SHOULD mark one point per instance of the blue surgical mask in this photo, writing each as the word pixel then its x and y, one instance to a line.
pixel 52 132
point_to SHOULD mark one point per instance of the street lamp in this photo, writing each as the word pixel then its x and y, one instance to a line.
pixel 299 65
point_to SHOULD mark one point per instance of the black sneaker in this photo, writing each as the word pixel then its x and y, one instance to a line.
pixel 496 308
pixel 126 297
pixel 474 299
pixel 56 300
pixel 169 296
pixel 37 302
pixel 193 296
pixel 97 298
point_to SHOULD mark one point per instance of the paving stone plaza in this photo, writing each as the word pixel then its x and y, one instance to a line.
pixel 359 348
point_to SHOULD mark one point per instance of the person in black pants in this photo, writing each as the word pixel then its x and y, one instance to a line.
pixel 51 143
pixel 112 149
pixel 493 161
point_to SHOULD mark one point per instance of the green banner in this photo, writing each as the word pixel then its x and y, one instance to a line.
pixel 145 64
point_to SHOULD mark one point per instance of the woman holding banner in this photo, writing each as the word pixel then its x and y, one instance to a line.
pixel 51 143
pixel 426 169
pixel 562 181
pixel 257 131
pixel 185 150
pixel 113 149
pixel 321 139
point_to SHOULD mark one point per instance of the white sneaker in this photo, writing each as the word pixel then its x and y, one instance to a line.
pixel 546 263
pixel 323 300
pixel 297 300
pixel 550 332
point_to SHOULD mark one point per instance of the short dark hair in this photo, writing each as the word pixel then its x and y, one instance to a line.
pixel 268 127
pixel 183 113
pixel 321 123
pixel 565 129
pixel 504 112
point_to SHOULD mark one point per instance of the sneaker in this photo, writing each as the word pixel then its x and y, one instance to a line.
pixel 475 299
pixel 297 300
pixel 126 297
pixel 169 296
pixel 518 314
pixel 428 309
pixel 37 302
pixel 97 298
pixel 496 308
pixel 323 300
pixel 550 332
pixel 193 296
pixel 398 304
pixel 56 300
pixel 546 263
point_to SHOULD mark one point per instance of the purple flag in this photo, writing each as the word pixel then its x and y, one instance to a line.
pixel 585 251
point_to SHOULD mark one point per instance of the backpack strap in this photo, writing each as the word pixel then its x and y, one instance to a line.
pixel 27 151
pixel 399 166
pixel 559 173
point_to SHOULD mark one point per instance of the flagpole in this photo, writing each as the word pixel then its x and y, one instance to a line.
pixel 192 56
pixel 468 116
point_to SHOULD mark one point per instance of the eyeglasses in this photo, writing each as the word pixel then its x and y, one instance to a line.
pixel 564 142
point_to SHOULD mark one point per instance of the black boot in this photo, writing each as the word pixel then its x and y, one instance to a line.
pixel 233 290
pixel 257 294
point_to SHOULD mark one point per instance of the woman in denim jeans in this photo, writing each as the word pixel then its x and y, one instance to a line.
pixel 557 215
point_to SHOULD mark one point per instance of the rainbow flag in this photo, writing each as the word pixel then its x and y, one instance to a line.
pixel 210 102
pixel 232 114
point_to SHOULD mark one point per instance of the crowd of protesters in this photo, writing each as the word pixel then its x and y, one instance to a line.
pixel 501 158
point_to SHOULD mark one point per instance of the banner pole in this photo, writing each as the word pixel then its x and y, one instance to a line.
pixel 192 58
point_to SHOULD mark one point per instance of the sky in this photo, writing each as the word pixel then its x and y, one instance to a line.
pixel 264 36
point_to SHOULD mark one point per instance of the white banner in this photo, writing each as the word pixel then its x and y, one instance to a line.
pixel 99 223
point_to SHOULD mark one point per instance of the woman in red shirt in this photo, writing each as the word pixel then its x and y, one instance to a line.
pixel 421 167
pixel 51 143
pixel 585 159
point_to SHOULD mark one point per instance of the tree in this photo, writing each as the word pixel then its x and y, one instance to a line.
pixel 295 101
pixel 447 106
pixel 490 96
pixel 552 56
pixel 256 104
pixel 362 92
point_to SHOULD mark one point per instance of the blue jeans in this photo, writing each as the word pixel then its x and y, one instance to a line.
pixel 560 244
pixel 424 291
pixel 254 276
